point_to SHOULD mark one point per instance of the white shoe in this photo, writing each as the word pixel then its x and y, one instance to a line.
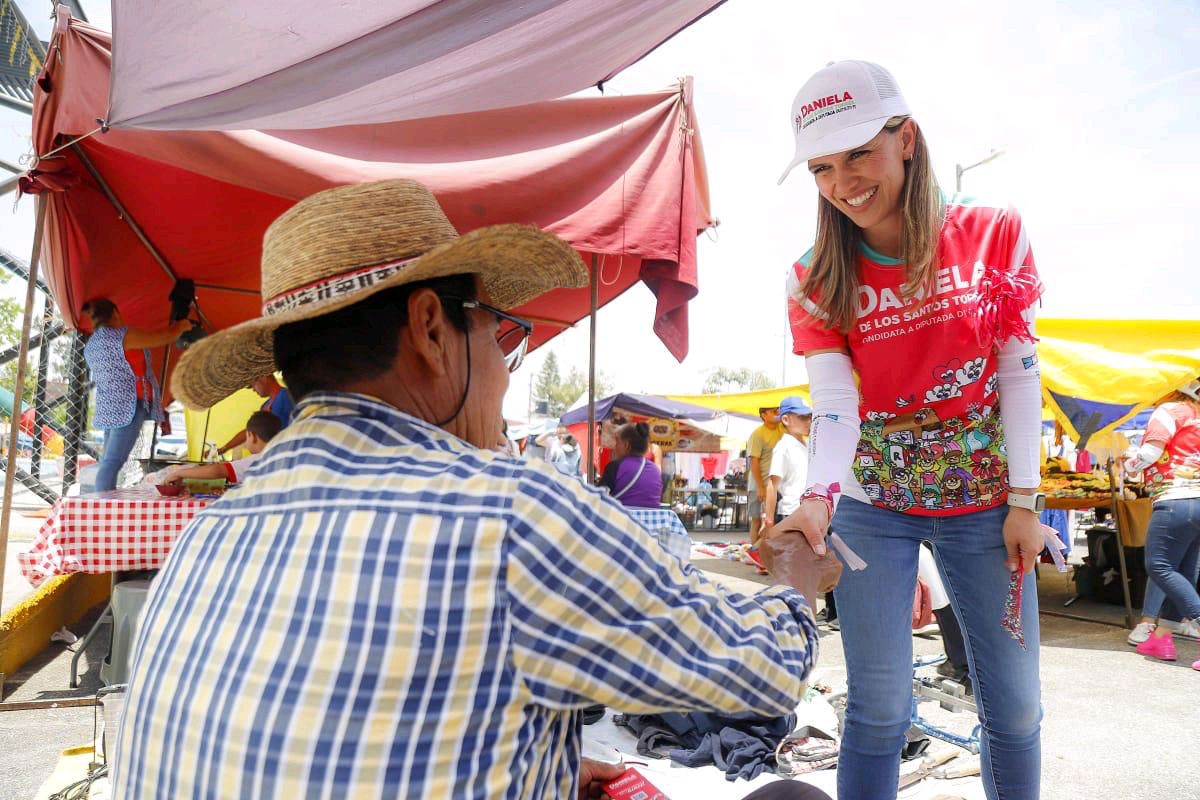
pixel 1141 633
pixel 1191 628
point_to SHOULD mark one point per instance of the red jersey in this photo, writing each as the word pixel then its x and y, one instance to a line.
pixel 931 441
pixel 1176 474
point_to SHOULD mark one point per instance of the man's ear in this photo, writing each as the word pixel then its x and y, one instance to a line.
pixel 428 330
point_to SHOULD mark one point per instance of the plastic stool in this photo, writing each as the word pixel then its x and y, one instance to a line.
pixel 128 598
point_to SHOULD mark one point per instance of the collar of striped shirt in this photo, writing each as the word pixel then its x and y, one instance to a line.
pixel 381 609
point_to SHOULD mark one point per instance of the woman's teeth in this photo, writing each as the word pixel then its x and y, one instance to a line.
pixel 862 198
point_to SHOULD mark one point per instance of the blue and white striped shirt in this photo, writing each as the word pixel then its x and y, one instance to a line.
pixel 382 610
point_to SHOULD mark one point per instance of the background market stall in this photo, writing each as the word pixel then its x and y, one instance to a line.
pixel 1099 373
pixel 699 440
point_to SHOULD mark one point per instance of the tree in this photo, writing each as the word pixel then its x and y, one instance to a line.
pixel 548 381
pixel 558 392
pixel 12 313
pixel 736 379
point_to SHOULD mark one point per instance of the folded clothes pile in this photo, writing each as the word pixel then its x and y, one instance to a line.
pixel 743 748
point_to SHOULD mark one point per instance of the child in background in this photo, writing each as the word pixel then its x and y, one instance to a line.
pixel 261 428
pixel 788 473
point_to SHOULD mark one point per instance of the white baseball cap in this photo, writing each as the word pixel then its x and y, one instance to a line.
pixel 1192 390
pixel 842 107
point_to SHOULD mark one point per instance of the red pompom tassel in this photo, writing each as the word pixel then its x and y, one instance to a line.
pixel 1003 298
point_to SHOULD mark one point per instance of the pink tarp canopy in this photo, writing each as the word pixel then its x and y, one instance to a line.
pixel 619 177
pixel 221 65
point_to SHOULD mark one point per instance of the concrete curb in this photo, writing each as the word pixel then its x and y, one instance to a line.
pixel 62 600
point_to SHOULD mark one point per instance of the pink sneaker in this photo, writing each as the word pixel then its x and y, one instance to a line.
pixel 1196 666
pixel 1160 646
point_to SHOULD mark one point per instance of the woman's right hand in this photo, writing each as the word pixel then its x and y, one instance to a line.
pixel 811 520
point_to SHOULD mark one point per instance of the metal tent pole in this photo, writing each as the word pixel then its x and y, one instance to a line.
pixel 1117 490
pixel 10 469
pixel 591 437
pixel 39 393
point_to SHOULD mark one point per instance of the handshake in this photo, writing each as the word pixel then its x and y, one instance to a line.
pixel 789 556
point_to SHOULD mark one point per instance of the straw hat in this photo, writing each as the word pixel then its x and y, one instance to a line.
pixel 339 246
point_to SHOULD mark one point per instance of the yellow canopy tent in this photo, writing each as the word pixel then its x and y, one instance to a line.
pixel 747 403
pixel 1097 373
pixel 221 422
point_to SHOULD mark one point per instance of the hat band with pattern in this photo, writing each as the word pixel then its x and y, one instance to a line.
pixel 333 288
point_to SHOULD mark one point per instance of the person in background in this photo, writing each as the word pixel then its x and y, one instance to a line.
pixel 758 450
pixel 789 461
pixel 506 444
pixel 278 402
pixel 1169 460
pixel 631 478
pixel 1152 620
pixel 562 450
pixel 127 393
pixel 932 302
pixel 789 477
pixel 261 428
pixel 707 515
pixel 956 666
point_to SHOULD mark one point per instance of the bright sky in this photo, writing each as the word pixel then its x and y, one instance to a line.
pixel 1094 104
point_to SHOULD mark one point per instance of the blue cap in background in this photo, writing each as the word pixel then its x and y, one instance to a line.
pixel 794 405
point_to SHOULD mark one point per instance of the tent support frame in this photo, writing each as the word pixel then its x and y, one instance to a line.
pixel 10 468
pixel 591 433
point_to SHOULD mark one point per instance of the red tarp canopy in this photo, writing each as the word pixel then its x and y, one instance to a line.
pixel 216 64
pixel 622 178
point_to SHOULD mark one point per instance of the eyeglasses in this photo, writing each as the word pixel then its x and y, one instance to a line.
pixel 512 334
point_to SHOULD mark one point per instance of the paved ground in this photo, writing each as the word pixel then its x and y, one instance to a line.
pixel 1117 725
pixel 23 524
pixel 33 740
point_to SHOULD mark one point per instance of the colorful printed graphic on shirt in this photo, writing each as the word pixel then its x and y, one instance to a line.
pixel 921 461
pixel 1176 474
pixel 931 441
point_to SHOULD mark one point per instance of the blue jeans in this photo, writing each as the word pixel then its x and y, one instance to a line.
pixel 875 607
pixel 1173 552
pixel 1153 601
pixel 118 443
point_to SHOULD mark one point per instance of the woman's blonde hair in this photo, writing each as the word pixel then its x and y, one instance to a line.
pixel 832 278
pixel 1184 395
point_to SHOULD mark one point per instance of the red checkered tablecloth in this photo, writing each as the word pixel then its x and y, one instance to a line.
pixel 108 532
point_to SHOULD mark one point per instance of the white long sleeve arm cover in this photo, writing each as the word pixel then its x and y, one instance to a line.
pixel 1149 453
pixel 1019 382
pixel 835 426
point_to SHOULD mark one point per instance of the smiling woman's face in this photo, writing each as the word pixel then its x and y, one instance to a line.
pixel 867 183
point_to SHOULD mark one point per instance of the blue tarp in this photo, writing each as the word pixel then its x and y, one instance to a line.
pixel 1137 422
pixel 648 405
pixel 1089 416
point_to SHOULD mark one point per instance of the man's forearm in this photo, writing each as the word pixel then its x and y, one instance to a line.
pixel 200 472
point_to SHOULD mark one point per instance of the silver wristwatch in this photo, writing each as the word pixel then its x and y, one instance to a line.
pixel 1030 502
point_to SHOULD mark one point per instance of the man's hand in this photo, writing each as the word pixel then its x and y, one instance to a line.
pixel 1023 538
pixel 790 559
pixel 593 775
